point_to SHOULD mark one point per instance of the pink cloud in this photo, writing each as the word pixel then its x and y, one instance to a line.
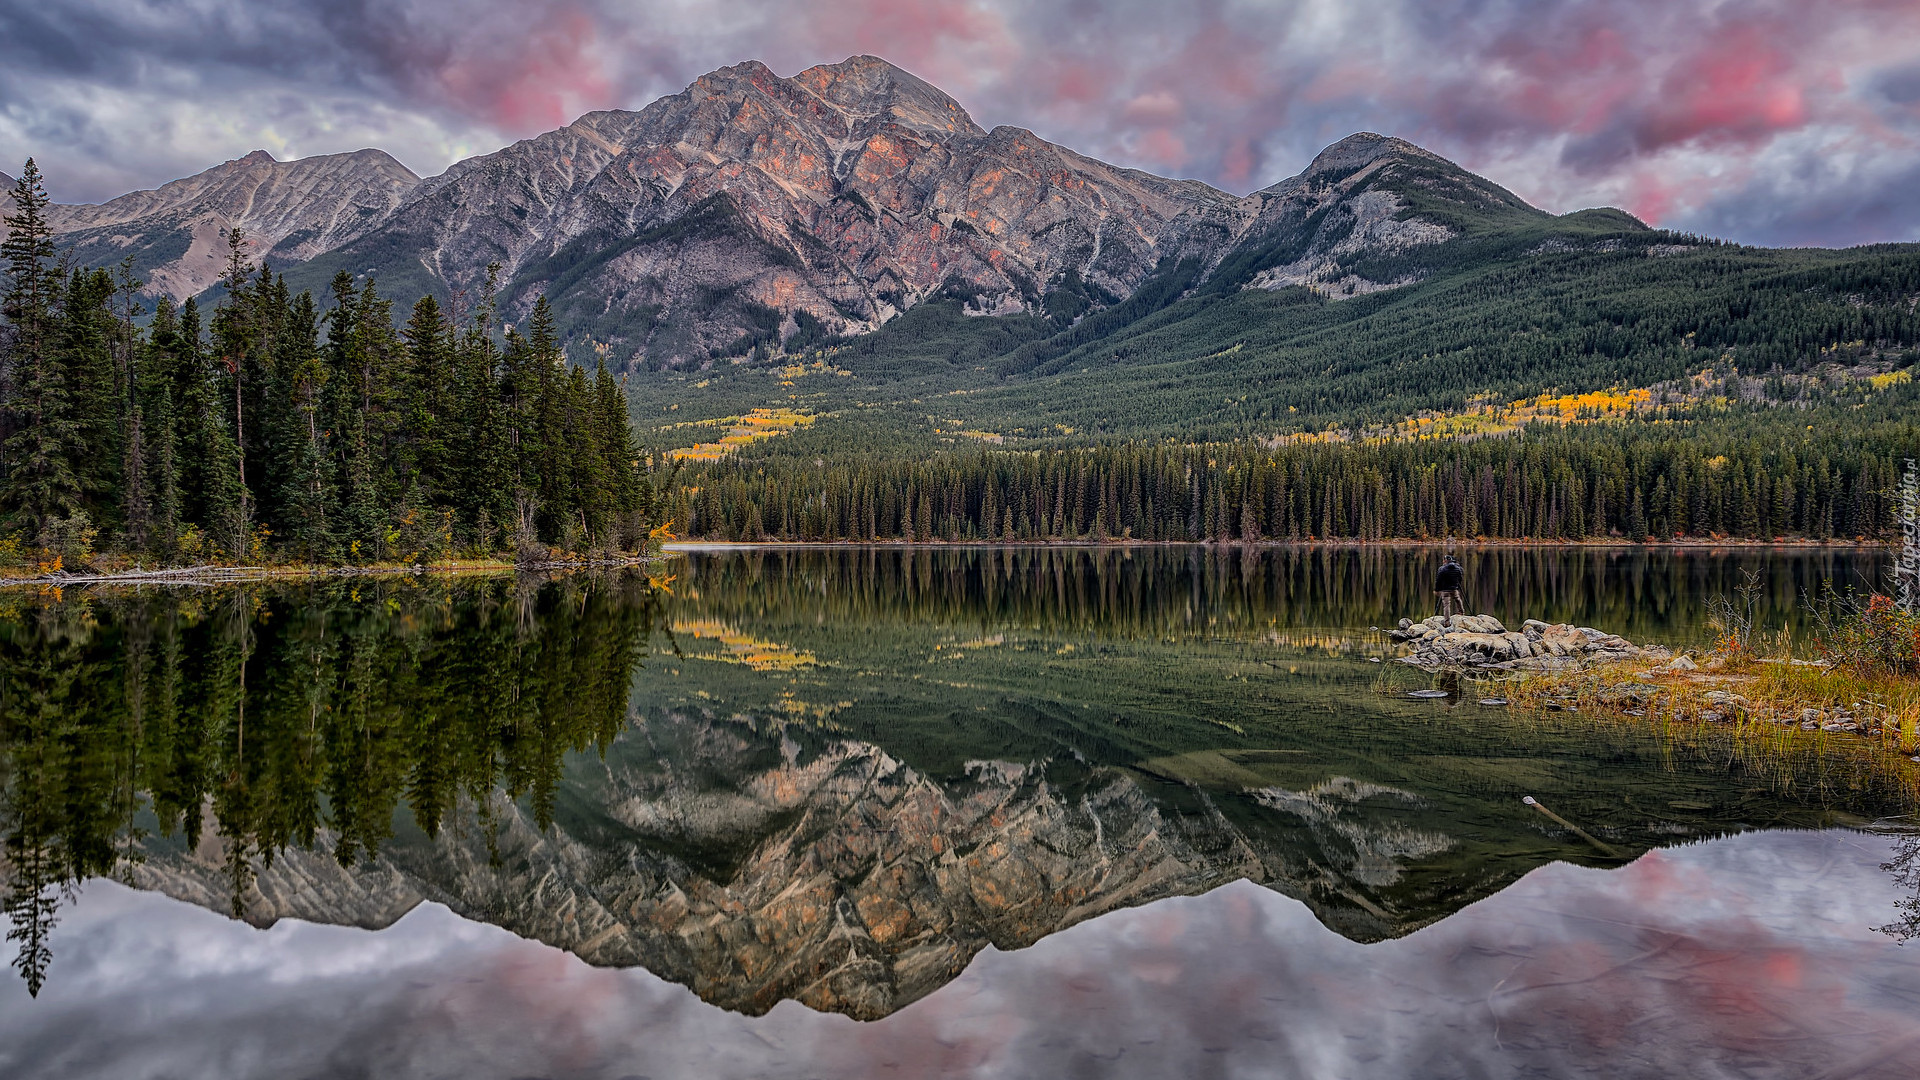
pixel 533 83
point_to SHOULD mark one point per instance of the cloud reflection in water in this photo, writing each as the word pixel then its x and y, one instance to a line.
pixel 1752 954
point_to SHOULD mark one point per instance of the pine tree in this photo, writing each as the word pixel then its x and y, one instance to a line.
pixel 84 346
pixel 428 388
pixel 137 499
pixel 161 459
pixel 235 340
pixel 41 486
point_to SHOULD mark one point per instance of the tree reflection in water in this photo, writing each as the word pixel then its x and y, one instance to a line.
pixel 269 714
pixel 1905 870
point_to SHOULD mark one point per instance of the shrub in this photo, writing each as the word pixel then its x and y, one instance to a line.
pixel 1875 636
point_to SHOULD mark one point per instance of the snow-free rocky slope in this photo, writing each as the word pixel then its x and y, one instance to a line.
pixel 752 207
pixel 291 210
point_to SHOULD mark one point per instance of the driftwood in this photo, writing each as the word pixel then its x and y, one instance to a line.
pixel 189 575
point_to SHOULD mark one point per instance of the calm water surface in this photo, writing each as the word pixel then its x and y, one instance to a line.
pixel 979 811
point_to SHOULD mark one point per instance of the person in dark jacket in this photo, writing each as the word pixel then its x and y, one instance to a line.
pixel 1448 585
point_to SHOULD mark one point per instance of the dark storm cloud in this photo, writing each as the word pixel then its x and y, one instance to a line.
pixel 1693 113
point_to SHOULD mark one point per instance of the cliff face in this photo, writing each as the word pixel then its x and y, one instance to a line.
pixel 736 862
pixel 290 210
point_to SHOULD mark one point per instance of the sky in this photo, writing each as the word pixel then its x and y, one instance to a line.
pixel 1764 121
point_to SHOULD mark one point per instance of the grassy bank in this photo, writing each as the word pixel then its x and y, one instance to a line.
pixel 1859 691
pixel 1763 695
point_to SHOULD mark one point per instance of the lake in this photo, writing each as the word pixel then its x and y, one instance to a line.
pixel 973 811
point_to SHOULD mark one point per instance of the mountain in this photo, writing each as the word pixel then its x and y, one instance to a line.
pixel 8 183
pixel 749 204
pixel 754 210
pixel 290 210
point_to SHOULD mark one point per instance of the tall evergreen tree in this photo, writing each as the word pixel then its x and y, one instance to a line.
pixel 235 342
pixel 44 437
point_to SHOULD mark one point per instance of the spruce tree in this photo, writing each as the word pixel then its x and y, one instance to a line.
pixel 136 495
pixel 426 398
pixel 235 335
pixel 84 344
pixel 40 486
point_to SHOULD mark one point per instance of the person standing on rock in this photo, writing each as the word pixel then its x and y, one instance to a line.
pixel 1448 585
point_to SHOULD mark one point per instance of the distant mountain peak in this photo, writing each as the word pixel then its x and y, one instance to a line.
pixel 291 211
pixel 1362 149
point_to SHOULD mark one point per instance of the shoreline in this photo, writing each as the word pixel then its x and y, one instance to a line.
pixel 210 575
pixel 1606 545
pixel 1573 669
pixel 1764 699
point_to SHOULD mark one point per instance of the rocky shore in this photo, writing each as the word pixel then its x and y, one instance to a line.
pixel 1480 642
pixel 1563 667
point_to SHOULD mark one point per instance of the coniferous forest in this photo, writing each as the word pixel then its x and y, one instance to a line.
pixel 278 426
pixel 1640 483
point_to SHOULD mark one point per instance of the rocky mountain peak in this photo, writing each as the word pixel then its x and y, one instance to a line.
pixel 695 228
pixel 869 86
pixel 1360 150
pixel 257 157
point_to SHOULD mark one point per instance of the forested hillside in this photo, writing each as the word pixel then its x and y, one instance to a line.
pixel 1759 472
pixel 1574 304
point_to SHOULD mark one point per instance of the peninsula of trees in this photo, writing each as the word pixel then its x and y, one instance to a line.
pixel 275 426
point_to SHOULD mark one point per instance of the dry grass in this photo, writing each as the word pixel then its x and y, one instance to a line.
pixel 1886 709
pixel 1751 712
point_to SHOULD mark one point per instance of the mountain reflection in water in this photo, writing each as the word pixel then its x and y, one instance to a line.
pixel 1743 956
pixel 837 776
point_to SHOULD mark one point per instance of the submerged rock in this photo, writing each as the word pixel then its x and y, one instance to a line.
pixel 1481 642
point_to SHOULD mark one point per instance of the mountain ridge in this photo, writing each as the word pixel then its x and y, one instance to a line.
pixel 742 210
pixel 290 211
pixel 842 196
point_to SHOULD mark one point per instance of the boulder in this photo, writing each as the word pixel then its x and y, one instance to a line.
pixel 1493 646
pixel 1482 641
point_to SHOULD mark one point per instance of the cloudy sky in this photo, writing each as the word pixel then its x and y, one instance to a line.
pixel 1772 121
